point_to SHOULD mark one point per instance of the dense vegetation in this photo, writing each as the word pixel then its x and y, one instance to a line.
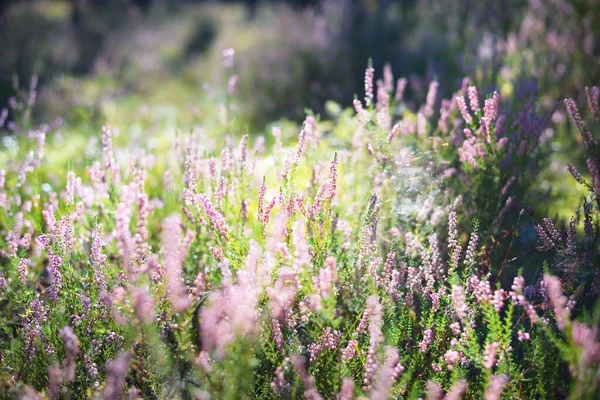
pixel 423 243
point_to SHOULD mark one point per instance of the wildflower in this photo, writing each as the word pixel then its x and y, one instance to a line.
pixel 115 378
pixel 489 358
pixel 173 257
pixel 350 350
pixel 523 336
pixel 278 336
pixel 328 341
pixel 387 376
pixel 431 98
pixel 279 385
pixel 301 248
pixel 576 117
pixel 369 72
pixel 426 341
pixel 22 269
pixel 462 105
pixel 586 338
pixel 494 389
pixel 400 87
pixel 347 389
pixel 498 299
pixel 375 339
pixel 388 78
pixel 473 98
pixel 456 391
pixel 333 176
pixel 455 328
pixel 144 305
pixel 434 391
pixel 504 211
pixel 216 218
pixel 458 300
pixel 232 83
pixel 558 301
pixel 592 94
pixel 471 249
pixel 451 358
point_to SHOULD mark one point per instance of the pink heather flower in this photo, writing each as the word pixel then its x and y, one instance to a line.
pixel 523 336
pixel 426 341
pixel 400 87
pixel 261 200
pixel 310 392
pixel 592 94
pixel 456 391
pixel 462 105
pixel 490 108
pixel 328 341
pixel 501 143
pixel 458 300
pixel 301 248
pixel 71 344
pixel 517 286
pixel 54 381
pixel 347 389
pixel 279 384
pixel 54 267
pixel 350 350
pixel 363 115
pixel 494 389
pixel 473 98
pixel 333 176
pixel 232 310
pixel 22 269
pixel 243 152
pixel 375 338
pixel 107 150
pixel 173 259
pixel 498 299
pixel 3 116
pixel 231 83
pixel 431 98
pixel 70 340
pixel 388 78
pixel 481 289
pixel 327 277
pixel 29 393
pixel 586 338
pixel 504 211
pixel 558 301
pixel 144 305
pixel 216 218
pixel 97 259
pixel 452 230
pixel 300 149
pixel 451 358
pixel 576 117
pixel 369 73
pixel 278 336
pixel 387 376
pixel 489 358
pixel 434 391
pixel 455 328
pixel 226 161
pixel 115 378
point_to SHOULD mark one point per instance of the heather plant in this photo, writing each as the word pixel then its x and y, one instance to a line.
pixel 357 259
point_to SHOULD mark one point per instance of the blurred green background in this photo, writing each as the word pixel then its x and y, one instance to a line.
pixel 130 61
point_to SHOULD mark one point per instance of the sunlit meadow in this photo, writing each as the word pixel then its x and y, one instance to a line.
pixel 398 248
